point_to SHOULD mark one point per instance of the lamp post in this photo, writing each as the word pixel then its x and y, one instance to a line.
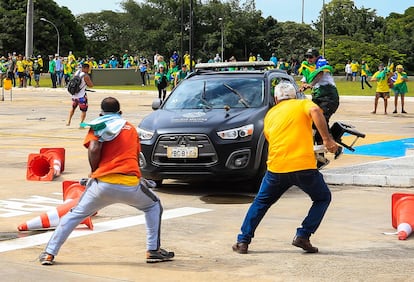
pixel 222 40
pixel 191 34
pixel 57 31
pixel 29 29
pixel 323 28
pixel 303 11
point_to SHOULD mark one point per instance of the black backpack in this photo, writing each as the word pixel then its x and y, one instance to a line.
pixel 74 85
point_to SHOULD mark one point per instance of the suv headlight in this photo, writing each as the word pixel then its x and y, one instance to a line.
pixel 145 134
pixel 235 133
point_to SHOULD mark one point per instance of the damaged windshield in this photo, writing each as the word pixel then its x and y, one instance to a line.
pixel 217 93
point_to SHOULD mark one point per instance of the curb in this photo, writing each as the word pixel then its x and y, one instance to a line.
pixel 395 172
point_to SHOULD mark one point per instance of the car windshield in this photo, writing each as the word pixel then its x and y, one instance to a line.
pixel 217 93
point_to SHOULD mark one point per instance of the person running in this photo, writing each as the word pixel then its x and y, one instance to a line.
pixel 81 99
pixel 113 150
pixel 364 74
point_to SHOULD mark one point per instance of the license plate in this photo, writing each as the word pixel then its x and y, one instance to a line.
pixel 182 152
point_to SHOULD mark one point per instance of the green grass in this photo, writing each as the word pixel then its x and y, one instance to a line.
pixel 346 88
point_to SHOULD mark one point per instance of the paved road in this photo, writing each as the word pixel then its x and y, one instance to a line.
pixel 202 219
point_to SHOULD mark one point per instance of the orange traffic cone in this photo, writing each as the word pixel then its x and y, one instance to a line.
pixel 72 192
pixel 402 209
pixel 46 165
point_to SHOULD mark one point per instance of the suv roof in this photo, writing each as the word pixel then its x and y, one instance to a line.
pixel 256 65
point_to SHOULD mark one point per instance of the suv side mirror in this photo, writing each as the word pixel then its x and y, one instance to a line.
pixel 156 104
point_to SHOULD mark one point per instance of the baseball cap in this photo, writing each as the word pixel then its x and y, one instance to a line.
pixel 312 52
pixel 285 91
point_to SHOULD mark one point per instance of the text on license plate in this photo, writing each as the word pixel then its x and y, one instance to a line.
pixel 182 152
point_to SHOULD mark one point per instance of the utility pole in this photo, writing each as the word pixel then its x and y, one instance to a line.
pixel 191 34
pixel 323 28
pixel 29 29
pixel 303 11
pixel 182 33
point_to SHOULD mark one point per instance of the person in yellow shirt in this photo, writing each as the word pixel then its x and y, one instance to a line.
pixel 382 89
pixel 291 162
pixel 354 69
pixel 20 68
pixel 252 58
pixel 40 61
pixel 187 59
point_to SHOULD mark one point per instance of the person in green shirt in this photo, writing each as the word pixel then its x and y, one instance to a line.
pixel 52 71
pixel 399 79
pixel 161 82
pixel 180 75
pixel 364 74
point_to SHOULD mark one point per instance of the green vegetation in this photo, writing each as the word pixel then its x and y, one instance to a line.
pixel 144 27
pixel 345 88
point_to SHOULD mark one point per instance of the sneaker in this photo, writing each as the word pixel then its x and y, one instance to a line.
pixel 240 248
pixel 394 112
pixel 159 256
pixel 403 112
pixel 46 259
pixel 305 244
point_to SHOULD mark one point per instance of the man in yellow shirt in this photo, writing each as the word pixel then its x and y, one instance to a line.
pixel 291 161
pixel 354 69
pixel 383 89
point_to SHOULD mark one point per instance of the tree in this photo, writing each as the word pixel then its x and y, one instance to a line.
pixel 352 33
pixel 13 33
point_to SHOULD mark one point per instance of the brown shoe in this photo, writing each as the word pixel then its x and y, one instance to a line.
pixel 240 248
pixel 305 244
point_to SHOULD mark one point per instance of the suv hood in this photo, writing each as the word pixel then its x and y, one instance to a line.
pixel 217 118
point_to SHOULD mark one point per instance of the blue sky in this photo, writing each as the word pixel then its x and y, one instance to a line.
pixel 282 10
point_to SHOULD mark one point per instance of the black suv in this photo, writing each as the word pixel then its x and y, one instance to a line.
pixel 211 125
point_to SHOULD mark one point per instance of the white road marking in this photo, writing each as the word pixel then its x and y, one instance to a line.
pixel 40 239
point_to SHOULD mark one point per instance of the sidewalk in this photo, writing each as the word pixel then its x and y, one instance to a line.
pixel 364 170
pixel 395 172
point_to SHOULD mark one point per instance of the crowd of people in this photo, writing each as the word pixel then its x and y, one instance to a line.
pixel 387 77
pixel 169 72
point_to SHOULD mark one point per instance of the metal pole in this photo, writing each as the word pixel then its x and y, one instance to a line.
pixel 222 40
pixel 57 31
pixel 182 33
pixel 323 28
pixel 29 30
pixel 303 11
pixel 191 35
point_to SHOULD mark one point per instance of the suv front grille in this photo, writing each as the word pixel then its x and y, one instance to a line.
pixel 206 153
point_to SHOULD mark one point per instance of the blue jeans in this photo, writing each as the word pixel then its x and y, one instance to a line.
pixel 272 188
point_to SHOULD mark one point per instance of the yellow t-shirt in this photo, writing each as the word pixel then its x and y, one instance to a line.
pixel 288 130
pixel 382 85
pixel 20 66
